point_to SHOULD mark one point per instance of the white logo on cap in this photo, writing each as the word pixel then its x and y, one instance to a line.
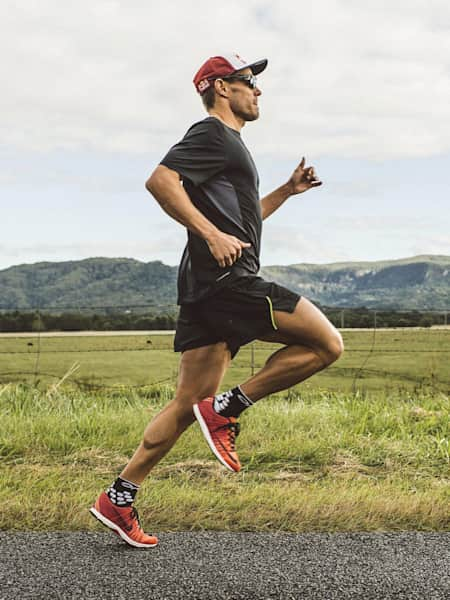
pixel 203 85
pixel 235 60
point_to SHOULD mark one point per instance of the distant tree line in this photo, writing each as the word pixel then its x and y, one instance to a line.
pixel 79 321
pixel 76 321
pixel 368 318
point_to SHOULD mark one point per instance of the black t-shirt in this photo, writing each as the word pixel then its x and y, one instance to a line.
pixel 221 179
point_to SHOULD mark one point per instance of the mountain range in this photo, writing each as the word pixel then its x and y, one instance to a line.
pixel 419 282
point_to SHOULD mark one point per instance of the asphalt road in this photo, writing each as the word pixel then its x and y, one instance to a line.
pixel 229 566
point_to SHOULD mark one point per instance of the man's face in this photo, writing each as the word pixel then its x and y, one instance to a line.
pixel 243 99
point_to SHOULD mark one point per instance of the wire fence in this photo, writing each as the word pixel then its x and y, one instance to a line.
pixel 376 355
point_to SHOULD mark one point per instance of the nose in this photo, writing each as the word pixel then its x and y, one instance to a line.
pixel 258 92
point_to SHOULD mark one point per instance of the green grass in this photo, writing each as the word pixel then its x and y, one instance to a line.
pixel 319 461
pixel 350 449
pixel 408 359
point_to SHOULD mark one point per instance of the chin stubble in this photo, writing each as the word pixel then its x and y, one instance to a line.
pixel 246 116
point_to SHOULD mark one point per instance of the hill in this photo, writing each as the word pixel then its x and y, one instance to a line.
pixel 421 282
pixel 91 282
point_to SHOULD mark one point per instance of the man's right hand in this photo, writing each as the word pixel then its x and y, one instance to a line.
pixel 225 248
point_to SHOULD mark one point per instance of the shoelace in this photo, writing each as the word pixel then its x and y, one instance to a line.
pixel 233 431
pixel 135 515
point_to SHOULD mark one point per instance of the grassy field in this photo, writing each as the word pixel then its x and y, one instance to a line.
pixel 391 359
pixel 318 458
pixel 322 462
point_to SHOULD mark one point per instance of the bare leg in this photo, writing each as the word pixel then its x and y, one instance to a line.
pixel 312 341
pixel 201 371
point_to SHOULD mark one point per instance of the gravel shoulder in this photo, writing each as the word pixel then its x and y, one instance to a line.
pixel 229 566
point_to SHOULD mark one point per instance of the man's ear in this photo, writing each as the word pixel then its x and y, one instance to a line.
pixel 220 87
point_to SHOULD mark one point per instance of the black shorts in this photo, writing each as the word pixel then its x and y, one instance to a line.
pixel 237 314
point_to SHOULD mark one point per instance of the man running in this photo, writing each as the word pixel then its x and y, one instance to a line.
pixel 208 182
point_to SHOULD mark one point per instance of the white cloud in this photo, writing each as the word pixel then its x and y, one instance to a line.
pixel 324 239
pixel 434 244
pixel 315 239
pixel 346 78
pixel 290 245
pixel 166 247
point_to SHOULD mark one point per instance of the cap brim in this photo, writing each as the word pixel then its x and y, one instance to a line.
pixel 256 67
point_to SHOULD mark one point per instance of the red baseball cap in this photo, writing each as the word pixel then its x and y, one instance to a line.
pixel 222 66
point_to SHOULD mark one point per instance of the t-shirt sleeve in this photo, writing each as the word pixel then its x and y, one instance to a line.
pixel 200 154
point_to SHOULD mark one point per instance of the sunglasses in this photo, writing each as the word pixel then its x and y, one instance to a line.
pixel 249 80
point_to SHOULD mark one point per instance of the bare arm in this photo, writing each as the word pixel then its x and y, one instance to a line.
pixel 164 184
pixel 301 180
pixel 274 200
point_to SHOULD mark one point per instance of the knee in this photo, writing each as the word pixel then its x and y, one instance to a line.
pixel 182 411
pixel 174 418
pixel 333 349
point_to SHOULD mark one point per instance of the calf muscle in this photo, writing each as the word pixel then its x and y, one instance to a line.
pixel 200 374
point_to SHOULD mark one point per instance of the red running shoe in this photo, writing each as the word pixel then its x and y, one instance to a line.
pixel 220 433
pixel 123 521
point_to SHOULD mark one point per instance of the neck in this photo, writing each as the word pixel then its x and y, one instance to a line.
pixel 227 117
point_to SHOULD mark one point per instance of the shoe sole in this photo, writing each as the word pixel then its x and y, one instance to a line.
pixel 107 523
pixel 208 438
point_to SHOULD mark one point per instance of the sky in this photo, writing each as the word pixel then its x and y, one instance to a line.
pixel 95 92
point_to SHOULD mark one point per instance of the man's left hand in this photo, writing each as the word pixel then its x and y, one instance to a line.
pixel 302 179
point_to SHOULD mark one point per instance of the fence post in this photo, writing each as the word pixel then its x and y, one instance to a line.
pixel 252 355
pixel 38 354
pixel 342 319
